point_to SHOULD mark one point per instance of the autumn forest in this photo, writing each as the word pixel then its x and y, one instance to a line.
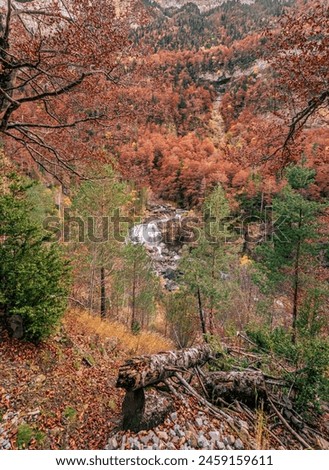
pixel 164 187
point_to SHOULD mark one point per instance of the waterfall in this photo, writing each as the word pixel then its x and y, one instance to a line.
pixel 146 234
pixel 153 235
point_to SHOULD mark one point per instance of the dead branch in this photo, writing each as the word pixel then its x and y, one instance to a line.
pixel 215 411
pixel 288 427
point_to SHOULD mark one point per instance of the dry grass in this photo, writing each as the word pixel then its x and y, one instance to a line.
pixel 262 441
pixel 145 343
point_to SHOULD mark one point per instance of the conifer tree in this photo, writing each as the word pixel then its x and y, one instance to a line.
pixel 139 285
pixel 205 266
pixel 97 245
pixel 288 260
pixel 34 278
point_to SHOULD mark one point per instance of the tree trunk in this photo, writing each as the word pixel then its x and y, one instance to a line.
pixel 211 311
pixel 133 408
pixel 202 317
pixel 91 291
pixel 142 371
pixel 103 293
pixel 145 410
pixel 296 283
pixel 133 305
pixel 246 386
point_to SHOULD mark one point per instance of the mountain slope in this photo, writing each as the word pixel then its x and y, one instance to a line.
pixel 203 5
pixel 191 27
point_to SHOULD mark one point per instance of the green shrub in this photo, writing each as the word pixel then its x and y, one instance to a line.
pixel 70 413
pixel 26 433
pixel 309 357
pixel 24 436
pixel 311 379
pixel 39 436
pixel 182 317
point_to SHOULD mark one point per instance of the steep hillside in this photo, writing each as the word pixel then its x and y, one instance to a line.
pixel 199 64
pixel 191 26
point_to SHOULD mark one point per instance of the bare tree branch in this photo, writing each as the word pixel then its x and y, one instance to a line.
pixel 7 27
pixel 58 92
pixel 15 125
pixel 302 117
pixel 42 13
pixel 297 123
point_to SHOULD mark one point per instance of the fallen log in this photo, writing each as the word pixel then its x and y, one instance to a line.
pixel 141 409
pixel 246 386
pixel 139 372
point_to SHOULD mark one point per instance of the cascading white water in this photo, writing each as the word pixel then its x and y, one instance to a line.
pixel 152 235
pixel 146 234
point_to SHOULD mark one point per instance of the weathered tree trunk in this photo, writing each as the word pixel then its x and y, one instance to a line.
pixel 133 408
pixel 245 386
pixel 145 410
pixel 142 371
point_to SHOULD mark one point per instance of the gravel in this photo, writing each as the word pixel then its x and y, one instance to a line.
pixel 179 432
pixel 238 445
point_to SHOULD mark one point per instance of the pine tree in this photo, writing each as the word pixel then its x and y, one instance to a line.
pixel 138 285
pixel 287 261
pixel 205 266
pixel 182 317
pixel 34 280
pixel 97 249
